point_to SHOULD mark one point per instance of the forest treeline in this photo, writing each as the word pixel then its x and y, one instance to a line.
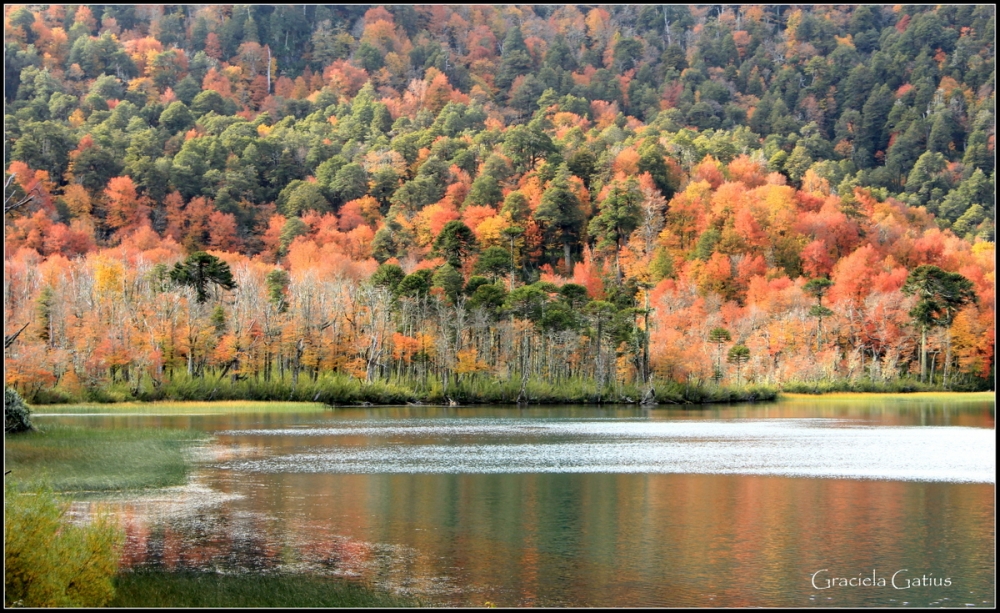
pixel 431 197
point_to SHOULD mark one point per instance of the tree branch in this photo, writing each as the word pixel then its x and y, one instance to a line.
pixel 8 198
pixel 9 339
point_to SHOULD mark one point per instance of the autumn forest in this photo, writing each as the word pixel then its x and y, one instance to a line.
pixel 531 203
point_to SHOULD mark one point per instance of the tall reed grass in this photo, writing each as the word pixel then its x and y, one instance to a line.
pixel 339 389
pixel 49 562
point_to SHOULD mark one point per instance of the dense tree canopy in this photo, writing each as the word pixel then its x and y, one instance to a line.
pixel 410 189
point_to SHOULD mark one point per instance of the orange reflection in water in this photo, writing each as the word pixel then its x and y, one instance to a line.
pixel 556 539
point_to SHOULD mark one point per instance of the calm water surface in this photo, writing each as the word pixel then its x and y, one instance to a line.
pixel 576 506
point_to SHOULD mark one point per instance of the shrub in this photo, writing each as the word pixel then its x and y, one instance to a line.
pixel 16 414
pixel 51 563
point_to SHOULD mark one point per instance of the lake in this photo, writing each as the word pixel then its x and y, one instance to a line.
pixel 805 502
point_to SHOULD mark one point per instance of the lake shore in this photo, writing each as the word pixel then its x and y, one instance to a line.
pixel 338 389
pixel 923 396
pixel 719 397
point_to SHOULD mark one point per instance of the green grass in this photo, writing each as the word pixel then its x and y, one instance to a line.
pixel 914 396
pixel 340 390
pixel 867 386
pixel 181 408
pixel 164 589
pixel 71 458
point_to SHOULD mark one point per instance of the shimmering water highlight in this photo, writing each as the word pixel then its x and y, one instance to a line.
pixel 790 447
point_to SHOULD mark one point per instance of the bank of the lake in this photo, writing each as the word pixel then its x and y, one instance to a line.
pixel 337 389
pixel 938 396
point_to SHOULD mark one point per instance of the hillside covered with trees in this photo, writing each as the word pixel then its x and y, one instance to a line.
pixel 435 200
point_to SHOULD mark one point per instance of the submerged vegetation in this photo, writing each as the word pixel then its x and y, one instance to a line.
pixel 162 589
pixel 69 458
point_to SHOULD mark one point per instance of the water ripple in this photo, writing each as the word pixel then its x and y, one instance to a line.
pixel 793 447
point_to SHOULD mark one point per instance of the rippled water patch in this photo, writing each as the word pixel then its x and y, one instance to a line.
pixel 795 447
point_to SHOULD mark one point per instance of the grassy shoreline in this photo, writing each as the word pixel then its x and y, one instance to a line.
pixel 78 459
pixel 919 396
pixel 338 389
pixel 334 389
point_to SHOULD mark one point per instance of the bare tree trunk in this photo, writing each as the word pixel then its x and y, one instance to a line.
pixel 923 353
pixel 947 359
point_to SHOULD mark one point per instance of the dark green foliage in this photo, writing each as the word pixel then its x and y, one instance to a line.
pixel 449 280
pixel 618 217
pixel 383 185
pixel 388 276
pixel 16 413
pixel 485 191
pixel 44 145
pixel 662 266
pixel 456 242
pixel 558 316
pixel 218 319
pixel 200 269
pixel 490 297
pixel 582 163
pixel 977 189
pixel 516 205
pixel 706 244
pixel 495 262
pixel 515 60
pixel 738 355
pixel 293 228
pixel 525 145
pixel 302 196
pixel 416 284
pixel 94 166
pixel 527 302
pixel 574 295
pixel 941 295
pixel 176 118
pixel 719 336
pixel 369 57
pixel 560 213
pixel 277 287
pixel 43 308
pixel 818 288
pixel 475 282
pixel 208 101
pixel 350 183
pixel 626 53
